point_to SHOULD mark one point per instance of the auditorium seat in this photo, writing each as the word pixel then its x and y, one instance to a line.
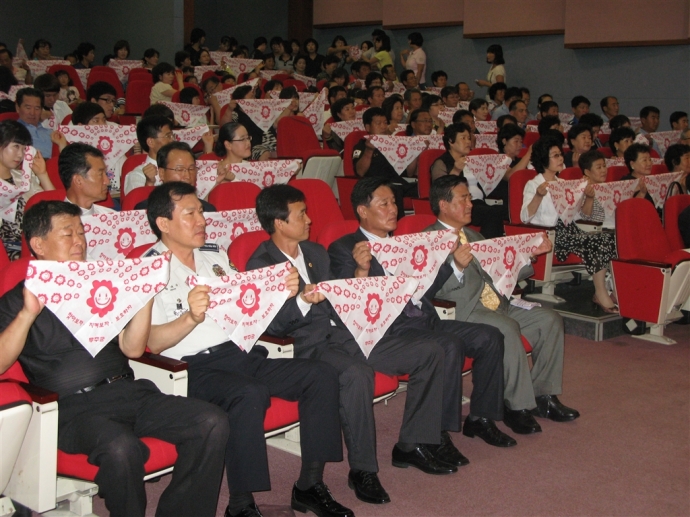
pixel 235 195
pixel 426 160
pixel 672 209
pixel 322 206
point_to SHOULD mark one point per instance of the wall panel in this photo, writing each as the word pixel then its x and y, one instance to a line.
pixel 398 14
pixel 491 18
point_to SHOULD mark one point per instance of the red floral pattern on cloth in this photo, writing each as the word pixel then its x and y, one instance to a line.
pixel 345 127
pixel 190 135
pixel 400 151
pixel 41 67
pixel 568 197
pixel 658 186
pixel 244 304
pixel 264 112
pixel 611 194
pixel 188 115
pixel 368 306
pixel 664 139
pixel 309 81
pixel 486 126
pixel 314 110
pixel 96 299
pixel 123 67
pixel 239 65
pixel 224 227
pixel 224 97
pixel 486 141
pixel 115 234
pixel 489 169
pixel 503 258
pixel 417 255
pixel 113 140
pixel 10 194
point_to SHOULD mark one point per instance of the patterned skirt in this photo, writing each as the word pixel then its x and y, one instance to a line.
pixel 595 249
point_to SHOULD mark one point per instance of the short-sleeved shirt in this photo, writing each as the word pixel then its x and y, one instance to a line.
pixel 384 58
pixel 494 72
pixel 414 59
pixel 168 304
pixel 380 166
pixel 52 358
pixel 157 92
pixel 136 177
pixel 40 138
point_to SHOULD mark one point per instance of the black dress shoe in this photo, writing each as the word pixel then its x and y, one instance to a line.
pixel 318 499
pixel 248 511
pixel 486 429
pixel 548 406
pixel 446 452
pixel 367 487
pixel 520 421
pixel 420 457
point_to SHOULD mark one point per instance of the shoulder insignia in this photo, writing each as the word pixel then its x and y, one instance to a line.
pixel 151 253
pixel 209 246
pixel 218 271
pixel 356 153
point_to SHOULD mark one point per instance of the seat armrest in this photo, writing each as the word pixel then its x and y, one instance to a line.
pixel 445 304
pixel 649 263
pixel 531 227
pixel 39 395
pixel 278 347
pixel 169 375
pixel 162 362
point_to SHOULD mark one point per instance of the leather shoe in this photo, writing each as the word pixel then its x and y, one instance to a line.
pixel 446 452
pixel 367 487
pixel 248 511
pixel 486 429
pixel 548 406
pixel 318 499
pixel 520 421
pixel 420 457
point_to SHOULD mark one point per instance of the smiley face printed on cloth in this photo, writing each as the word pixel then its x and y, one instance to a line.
pixel 249 299
pixel 419 258
pixel 373 308
pixel 509 257
pixel 103 296
pixel 115 234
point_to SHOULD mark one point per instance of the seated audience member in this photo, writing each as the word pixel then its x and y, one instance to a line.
pixel 619 121
pixel 478 301
pixel 375 96
pixel 197 39
pixel 547 123
pixel 350 257
pixel 14 137
pixel 328 66
pixel 595 249
pixel 268 62
pixel 413 99
pixel 595 122
pixel 272 86
pixel 677 159
pixel 335 93
pixel 341 110
pixel 150 58
pixel 314 59
pixel 361 69
pixel 382 57
pixel 181 60
pixel 53 107
pixel 260 45
pixel 320 334
pixel 649 120
pixel 121 49
pixel 408 79
pixel 373 79
pixel 548 109
pixel 86 53
pixel 390 78
pixel 457 141
pixel 509 142
pixel 209 86
pixel 369 161
pixel 497 93
pixel 22 72
pixel 284 59
pixel 512 94
pixel 638 160
pixel 83 173
pixel 505 119
pixel 439 79
pixel 518 109
pixel 394 111
pixel 466 117
pixel 479 109
pixel 68 92
pixel 107 424
pixel 678 121
pixel 544 97
pixel 299 63
pixel 419 123
pixel 593 166
pixel 526 96
pixel 235 113
pixel 89 114
pixel 153 132
pixel 450 96
pixel 189 95
pixel 105 95
pixel 29 106
pixel 464 92
pixel 434 104
pixel 620 139
pixel 233 146
pixel 579 141
pixel 580 105
pixel 609 106
pixel 176 163
pixel 41 50
pixel 163 80
pixel 221 373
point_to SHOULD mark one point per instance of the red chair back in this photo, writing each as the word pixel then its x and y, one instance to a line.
pixel 421 206
pixel 606 151
pixel 13 273
pixel 53 173
pixel 4 259
pixel 345 186
pixel 131 163
pixel 299 85
pixel 659 169
pixel 322 207
pixel 243 246
pixel 138 97
pixel 530 138
pixel 135 197
pixel 672 209
pixel 516 189
pixel 616 172
pixel 140 74
pixel 334 231
pixel 295 136
pixel 236 195
pixel 571 173
pixel 73 75
pixel 414 224
pixel 426 160
pixel 107 75
pixel 639 235
pixel 482 150
pixel 209 156
pixel 604 137
pixel 138 251
pixel 351 141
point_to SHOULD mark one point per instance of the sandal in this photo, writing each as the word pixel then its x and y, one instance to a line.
pixel 608 310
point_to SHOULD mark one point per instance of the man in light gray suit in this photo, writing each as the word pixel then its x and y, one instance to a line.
pixel 477 300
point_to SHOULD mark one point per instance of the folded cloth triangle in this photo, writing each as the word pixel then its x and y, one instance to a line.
pixel 568 197
pixel 658 186
pixel 115 234
pixel 264 112
pixel 489 169
pixel 224 227
pixel 10 194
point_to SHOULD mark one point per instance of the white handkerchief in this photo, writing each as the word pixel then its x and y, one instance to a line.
pixel 314 111
pixel 418 255
pixel 41 67
pixel 268 74
pixel 610 194
pixel 122 67
pixel 486 126
pixel 641 139
pixel 435 142
pixel 224 227
pixel 305 98
pixel 400 151
pixel 309 81
pixel 658 186
pixel 20 52
pixel 244 304
pixel 368 306
pixel 264 112
pixel 96 299
pixel 664 139
pixel 486 141
pixel 239 65
pixel 115 234
pixel 83 74
pixel 489 169
pixel 568 197
pixel 206 175
pixel 566 118
pixel 190 135
pixel 613 162
pixel 224 97
pixel 217 56
pixel 503 258
pixel 188 115
pixel 436 91
pixel 266 173
pixel 10 194
pixel 635 122
pixel 354 52
pixel 112 140
pixel 12 92
pixel 605 129
pixel 344 128
pixel 446 114
pixel 200 70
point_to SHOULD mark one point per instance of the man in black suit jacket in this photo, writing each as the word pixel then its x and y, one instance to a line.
pixel 319 333
pixel 374 204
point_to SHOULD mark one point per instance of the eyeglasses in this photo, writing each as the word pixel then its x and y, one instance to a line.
pixel 107 101
pixel 181 170
pixel 167 136
pixel 243 139
pixel 558 155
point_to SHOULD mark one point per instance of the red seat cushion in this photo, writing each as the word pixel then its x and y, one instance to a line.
pixel 280 414
pixel 384 384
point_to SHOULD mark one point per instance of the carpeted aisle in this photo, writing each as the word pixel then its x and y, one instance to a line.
pixel 627 455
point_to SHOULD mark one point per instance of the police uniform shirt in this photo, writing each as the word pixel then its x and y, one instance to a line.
pixel 171 302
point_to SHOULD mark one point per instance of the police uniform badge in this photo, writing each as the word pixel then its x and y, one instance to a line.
pixel 218 271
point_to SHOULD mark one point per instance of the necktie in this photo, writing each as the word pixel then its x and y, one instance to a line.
pixel 489 298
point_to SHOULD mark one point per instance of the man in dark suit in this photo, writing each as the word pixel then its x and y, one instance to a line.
pixel 374 204
pixel 477 300
pixel 319 333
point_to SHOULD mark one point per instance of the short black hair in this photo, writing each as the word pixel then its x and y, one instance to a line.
pixel 676 116
pixel 644 112
pixel 196 35
pixel 163 152
pixel 546 122
pixel 448 90
pixel 357 65
pixel 261 40
pixel 632 153
pixel 28 92
pixel 415 38
pixel 501 121
pixel 83 50
pixel 330 59
pixel 405 74
pixel 592 119
pixel 272 203
pixel 335 90
pixel 389 103
pixel 241 92
pixel 475 104
pixel 310 40
pixel 338 106
pixel 163 68
pixel 579 99
pixel 370 78
pixel 618 121
pixel 588 158
pixel 162 200
pixel 149 127
pixel 605 101
pixel 187 95
pixel 72 161
pixel 180 57
pixel 160 110
pixel 85 111
pixel 540 152
pixel 363 191
pixel 442 190
pixel 47 83
pixel 460 114
pixel 674 154
pixel 507 132
pixel 429 100
pixel 120 44
pixel 12 132
pixel 368 115
pixel 514 104
pixel 545 106
pixel 513 92
pixel 451 132
pixel 618 134
pixel 495 88
pixel 100 88
pixel 38 220
pixel 577 130
pixel 435 76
